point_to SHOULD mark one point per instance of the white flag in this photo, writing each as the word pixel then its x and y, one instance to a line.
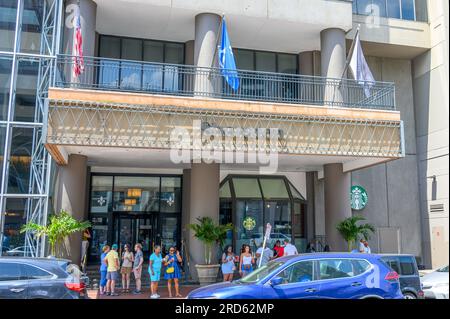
pixel 359 67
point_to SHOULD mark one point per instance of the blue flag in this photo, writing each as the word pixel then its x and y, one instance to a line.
pixel 226 59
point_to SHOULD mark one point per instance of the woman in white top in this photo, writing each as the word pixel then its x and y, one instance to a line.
pixel 127 267
pixel 246 261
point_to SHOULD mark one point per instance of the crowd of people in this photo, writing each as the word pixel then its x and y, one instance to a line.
pixel 113 265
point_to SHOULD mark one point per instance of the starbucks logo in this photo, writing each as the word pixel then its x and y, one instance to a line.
pixel 358 197
pixel 249 223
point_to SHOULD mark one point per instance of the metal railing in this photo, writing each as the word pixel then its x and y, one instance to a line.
pixel 188 80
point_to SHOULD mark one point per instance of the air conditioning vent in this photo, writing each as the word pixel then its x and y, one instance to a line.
pixel 436 208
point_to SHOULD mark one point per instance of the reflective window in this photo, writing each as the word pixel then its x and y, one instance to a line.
pixel 421 10
pixel 278 214
pixel 249 223
pixel 398 9
pixel 273 188
pixel 298 273
pixel 170 194
pixel 5 83
pixel 139 194
pixel 99 235
pixel 10 271
pixel 32 17
pixel 393 9
pixel 101 194
pixel 26 85
pixel 360 266
pixel 15 218
pixel 8 14
pixel 335 268
pixel 408 266
pixel 2 148
pixel 408 10
pixel 393 263
pixel 32 272
pixel 246 187
pixel 169 233
pixel 20 160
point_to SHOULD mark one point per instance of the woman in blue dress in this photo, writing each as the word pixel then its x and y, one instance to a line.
pixel 173 271
pixel 228 266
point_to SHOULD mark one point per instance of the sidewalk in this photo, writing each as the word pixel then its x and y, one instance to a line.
pixel 162 290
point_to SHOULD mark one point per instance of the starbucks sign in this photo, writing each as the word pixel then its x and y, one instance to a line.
pixel 358 197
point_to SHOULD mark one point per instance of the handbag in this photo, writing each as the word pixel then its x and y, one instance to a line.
pixel 170 270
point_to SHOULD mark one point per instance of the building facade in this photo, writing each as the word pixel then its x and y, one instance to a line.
pixel 150 137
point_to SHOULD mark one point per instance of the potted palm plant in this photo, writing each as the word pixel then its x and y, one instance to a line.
pixel 58 229
pixel 210 234
pixel 350 230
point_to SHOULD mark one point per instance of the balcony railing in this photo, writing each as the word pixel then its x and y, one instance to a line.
pixel 188 80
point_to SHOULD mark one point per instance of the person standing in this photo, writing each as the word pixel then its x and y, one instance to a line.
pixel 361 246
pixel 246 261
pixel 278 249
pixel 289 249
pixel 127 266
pixel 367 249
pixel 84 248
pixel 112 275
pixel 137 267
pixel 228 266
pixel 103 269
pixel 265 257
pixel 173 272
pixel 154 268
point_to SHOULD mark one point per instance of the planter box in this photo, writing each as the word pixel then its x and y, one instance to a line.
pixel 207 274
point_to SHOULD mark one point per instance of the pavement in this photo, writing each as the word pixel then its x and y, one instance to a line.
pixel 162 290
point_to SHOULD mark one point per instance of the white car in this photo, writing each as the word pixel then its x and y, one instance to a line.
pixel 435 284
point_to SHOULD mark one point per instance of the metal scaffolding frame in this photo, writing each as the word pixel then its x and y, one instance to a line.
pixel 37 197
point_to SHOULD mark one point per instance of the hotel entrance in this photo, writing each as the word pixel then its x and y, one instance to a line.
pixel 130 209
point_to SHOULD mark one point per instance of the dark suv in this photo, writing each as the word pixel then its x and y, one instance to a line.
pixel 406 267
pixel 40 278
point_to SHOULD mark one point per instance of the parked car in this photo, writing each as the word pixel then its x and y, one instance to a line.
pixel 40 278
pixel 435 284
pixel 18 251
pixel 313 276
pixel 406 267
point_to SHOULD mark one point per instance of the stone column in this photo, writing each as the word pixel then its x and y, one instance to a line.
pixel 204 202
pixel 333 58
pixel 337 203
pixel 88 13
pixel 310 209
pixel 72 198
pixel 309 64
pixel 205 54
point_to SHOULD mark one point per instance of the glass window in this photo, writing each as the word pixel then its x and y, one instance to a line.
pixel 109 70
pixel 244 59
pixel 335 268
pixel 136 193
pixel 8 14
pixel 393 9
pixel 407 266
pixel 364 7
pixel 174 53
pixel 246 187
pixel 26 85
pixel 393 263
pixel 101 194
pixel 2 148
pixel 273 188
pixel 130 73
pixel 298 272
pixel 379 8
pixel 154 51
pixel 10 271
pixel 360 266
pixel 261 273
pixel 265 61
pixel 278 214
pixel 170 194
pixel 298 225
pixel 295 193
pixel 169 233
pixel 32 17
pixel 421 10
pixel 35 273
pixel 99 235
pixel 20 160
pixel 249 223
pixel 5 83
pixel 408 10
pixel 287 63
pixel 15 218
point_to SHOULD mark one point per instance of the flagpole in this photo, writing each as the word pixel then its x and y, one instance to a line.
pixel 217 40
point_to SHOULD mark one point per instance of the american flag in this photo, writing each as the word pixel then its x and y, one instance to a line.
pixel 78 66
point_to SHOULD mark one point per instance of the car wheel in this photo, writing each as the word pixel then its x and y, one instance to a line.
pixel 409 295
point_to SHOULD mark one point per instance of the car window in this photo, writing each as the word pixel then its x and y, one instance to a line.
pixel 298 272
pixel 393 264
pixel 10 271
pixel 33 272
pixel 407 266
pixel 335 268
pixel 443 269
pixel 360 266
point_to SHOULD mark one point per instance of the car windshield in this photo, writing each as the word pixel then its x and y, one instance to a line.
pixel 443 269
pixel 260 273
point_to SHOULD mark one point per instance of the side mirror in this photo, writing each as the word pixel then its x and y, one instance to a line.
pixel 276 281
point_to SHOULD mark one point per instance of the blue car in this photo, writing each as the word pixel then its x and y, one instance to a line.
pixel 312 276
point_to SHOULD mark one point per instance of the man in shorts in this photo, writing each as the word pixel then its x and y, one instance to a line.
pixel 137 267
pixel 112 275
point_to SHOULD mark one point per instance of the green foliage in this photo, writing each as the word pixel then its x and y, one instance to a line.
pixel 210 234
pixel 58 229
pixel 351 231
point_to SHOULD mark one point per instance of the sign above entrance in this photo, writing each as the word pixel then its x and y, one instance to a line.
pixel 358 197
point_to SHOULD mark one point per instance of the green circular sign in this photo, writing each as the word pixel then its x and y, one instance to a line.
pixel 358 197
pixel 249 223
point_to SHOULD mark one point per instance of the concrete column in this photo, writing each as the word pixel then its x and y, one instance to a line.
pixel 310 209
pixel 309 64
pixel 204 202
pixel 189 53
pixel 206 34
pixel 333 58
pixel 337 203
pixel 88 13
pixel 72 198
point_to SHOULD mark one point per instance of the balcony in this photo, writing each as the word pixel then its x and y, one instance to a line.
pixel 187 80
